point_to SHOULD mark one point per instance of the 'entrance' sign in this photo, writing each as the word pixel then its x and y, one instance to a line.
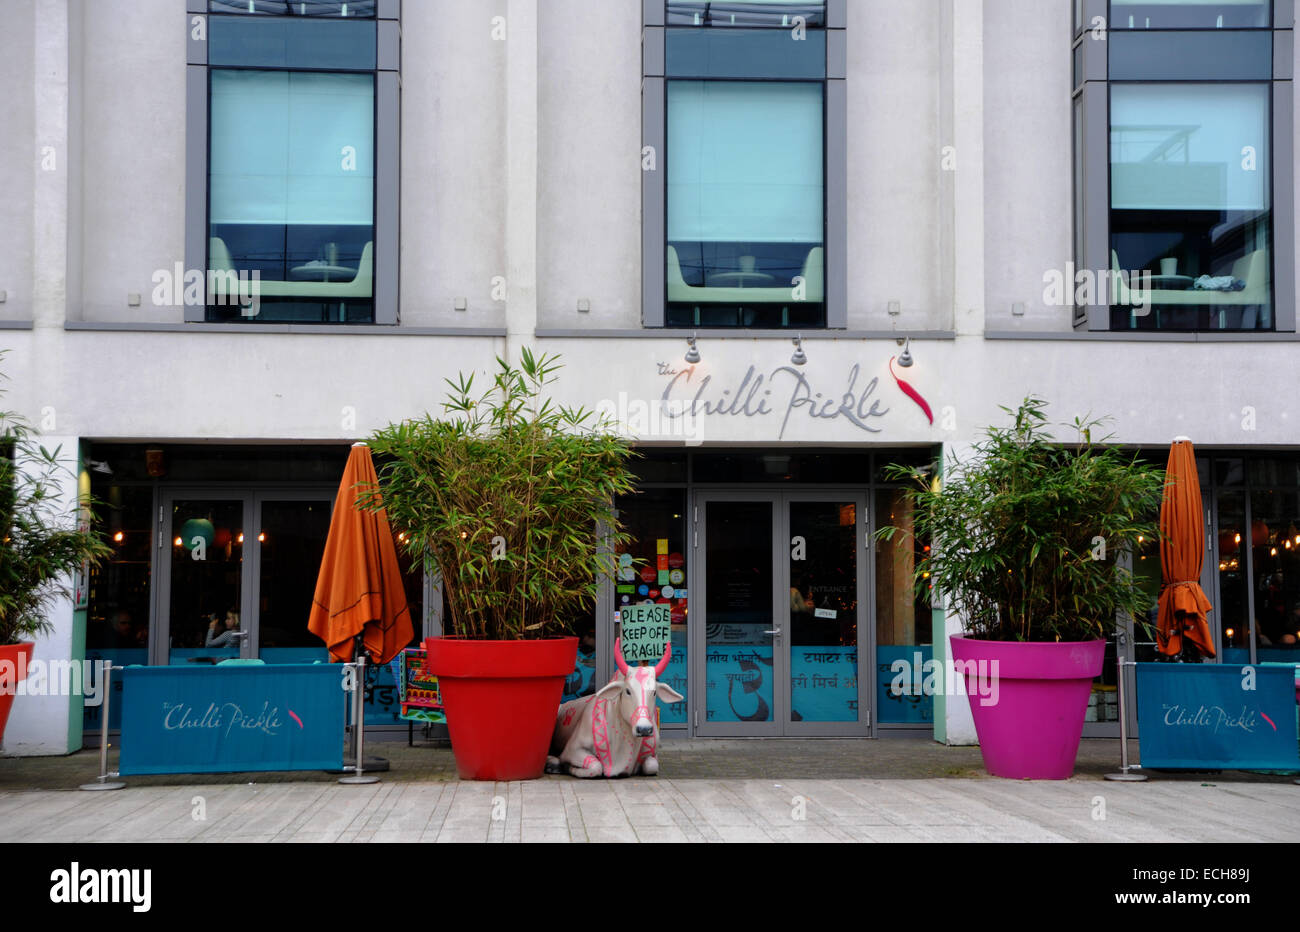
pixel 646 629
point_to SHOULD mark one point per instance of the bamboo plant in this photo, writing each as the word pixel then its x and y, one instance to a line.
pixel 1027 533
pixel 43 540
pixel 508 498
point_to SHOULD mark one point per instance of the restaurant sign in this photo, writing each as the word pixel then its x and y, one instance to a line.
pixel 1217 716
pixel 786 392
pixel 232 718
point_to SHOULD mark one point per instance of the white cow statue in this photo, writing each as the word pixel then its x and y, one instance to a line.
pixel 613 733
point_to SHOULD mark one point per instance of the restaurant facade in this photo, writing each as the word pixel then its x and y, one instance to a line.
pixel 779 245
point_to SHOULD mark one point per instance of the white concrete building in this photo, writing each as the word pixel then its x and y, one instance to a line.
pixel 422 186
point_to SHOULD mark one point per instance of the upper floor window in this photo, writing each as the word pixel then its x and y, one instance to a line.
pixel 1189 204
pixel 291 166
pixel 745 111
pixel 297 110
pixel 355 8
pixel 1186 236
pixel 1190 14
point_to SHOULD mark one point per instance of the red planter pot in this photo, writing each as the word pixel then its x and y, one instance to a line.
pixel 1029 728
pixel 13 657
pixel 501 699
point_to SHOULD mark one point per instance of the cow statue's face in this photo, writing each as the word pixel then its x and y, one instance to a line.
pixel 635 689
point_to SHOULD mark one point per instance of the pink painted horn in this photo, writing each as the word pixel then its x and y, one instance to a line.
pixel 663 661
pixel 618 656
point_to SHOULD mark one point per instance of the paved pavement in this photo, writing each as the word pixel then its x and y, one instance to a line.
pixel 887 790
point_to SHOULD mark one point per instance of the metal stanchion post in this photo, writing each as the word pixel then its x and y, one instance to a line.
pixel 358 774
pixel 1125 775
pixel 102 782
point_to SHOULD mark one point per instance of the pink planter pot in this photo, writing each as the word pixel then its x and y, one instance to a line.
pixel 1028 700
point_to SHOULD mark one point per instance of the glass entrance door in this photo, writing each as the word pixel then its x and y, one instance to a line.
pixel 779 587
pixel 741 604
pixel 824 543
pixel 203 591
pixel 289 544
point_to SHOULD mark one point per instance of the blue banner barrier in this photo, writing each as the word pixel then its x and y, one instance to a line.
pixel 230 719
pixel 1199 716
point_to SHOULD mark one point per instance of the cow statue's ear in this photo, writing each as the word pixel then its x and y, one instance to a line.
pixel 667 693
pixel 611 689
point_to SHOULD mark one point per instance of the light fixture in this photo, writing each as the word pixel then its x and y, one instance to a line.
pixel 1230 633
pixel 240 538
pixel 692 352
pixel 799 358
pixel 178 542
pixel 118 537
pixel 261 538
pixel 154 464
pixel 905 359
pixel 895 308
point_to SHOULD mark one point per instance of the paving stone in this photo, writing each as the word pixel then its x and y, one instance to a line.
pixel 769 791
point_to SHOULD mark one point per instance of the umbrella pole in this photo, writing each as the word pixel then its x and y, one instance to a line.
pixel 1125 774
pixel 358 775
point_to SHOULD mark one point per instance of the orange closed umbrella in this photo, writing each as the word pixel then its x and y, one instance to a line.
pixel 359 589
pixel 1183 605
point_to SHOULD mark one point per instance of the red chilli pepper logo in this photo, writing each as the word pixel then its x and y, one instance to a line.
pixel 910 392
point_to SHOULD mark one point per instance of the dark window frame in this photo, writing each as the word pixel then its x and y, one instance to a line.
pixel 387 153
pixel 654 201
pixel 1090 181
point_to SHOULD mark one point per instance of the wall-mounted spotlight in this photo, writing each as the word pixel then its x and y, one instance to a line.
pixel 692 352
pixel 905 358
pixel 799 358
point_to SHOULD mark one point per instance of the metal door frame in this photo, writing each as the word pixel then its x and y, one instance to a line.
pixel 250 565
pixel 159 640
pixel 253 642
pixel 781 724
pixel 696 702
pixel 866 621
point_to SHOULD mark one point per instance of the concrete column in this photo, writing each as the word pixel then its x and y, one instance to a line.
pixel 51 723
pixel 963 108
pixel 56 203
pixel 522 88
pixel 952 719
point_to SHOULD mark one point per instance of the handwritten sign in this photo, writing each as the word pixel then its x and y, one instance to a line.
pixel 1218 716
pixel 646 629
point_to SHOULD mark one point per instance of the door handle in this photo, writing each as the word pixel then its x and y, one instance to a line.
pixel 775 631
